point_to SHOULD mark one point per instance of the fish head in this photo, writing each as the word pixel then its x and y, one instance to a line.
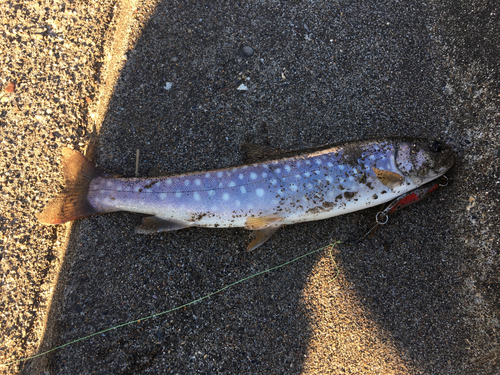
pixel 423 160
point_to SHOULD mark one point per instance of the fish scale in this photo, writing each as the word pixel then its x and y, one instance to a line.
pixel 297 187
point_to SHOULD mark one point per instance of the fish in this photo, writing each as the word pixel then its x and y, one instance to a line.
pixel 285 187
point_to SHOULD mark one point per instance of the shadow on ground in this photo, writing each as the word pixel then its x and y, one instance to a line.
pixel 319 73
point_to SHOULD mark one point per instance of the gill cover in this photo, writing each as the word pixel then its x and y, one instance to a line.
pixel 423 160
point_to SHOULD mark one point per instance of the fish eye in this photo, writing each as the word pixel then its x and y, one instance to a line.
pixel 435 146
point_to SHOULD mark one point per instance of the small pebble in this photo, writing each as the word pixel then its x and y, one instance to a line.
pixel 247 51
pixel 168 86
pixel 10 87
pixel 242 87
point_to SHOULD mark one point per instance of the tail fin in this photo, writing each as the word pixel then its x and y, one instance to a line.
pixel 72 203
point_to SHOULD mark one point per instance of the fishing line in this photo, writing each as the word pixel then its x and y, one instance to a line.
pixel 329 247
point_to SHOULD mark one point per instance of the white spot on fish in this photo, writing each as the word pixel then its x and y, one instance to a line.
pixel 299 163
pixel 341 167
pixel 109 184
pixel 186 183
pixel 309 186
pixel 329 178
pixel 287 168
pixel 293 187
pixel 138 188
pixel 264 174
pixel 307 174
pixel 127 188
pixel 355 171
pixel 220 174
pixel 163 196
pixel 213 208
pixel 241 176
pixel 277 170
pixel 266 166
pixel 275 201
pixel 225 196
pixel 178 194
pixel 308 162
pixel 253 175
pixel 274 181
pixel 304 199
pixel 372 157
pixel 249 206
pixel 220 185
pixel 119 188
pixel 297 176
pixel 243 189
pixel 351 178
pixel 330 194
pixel 207 175
pixel 211 192
pixel 318 161
pixel 196 196
pixel 281 192
pixel 259 192
pixel 232 184
pixel 197 182
pixel 237 203
pixel 169 181
pixel 330 164
pixel 228 174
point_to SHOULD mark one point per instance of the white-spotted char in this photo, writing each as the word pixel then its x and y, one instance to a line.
pixel 294 187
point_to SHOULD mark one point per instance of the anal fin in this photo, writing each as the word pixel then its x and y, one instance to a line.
pixel 155 224
pixel 261 236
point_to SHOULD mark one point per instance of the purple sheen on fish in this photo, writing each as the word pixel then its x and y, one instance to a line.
pixel 299 186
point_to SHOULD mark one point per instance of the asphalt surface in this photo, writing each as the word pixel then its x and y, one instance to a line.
pixel 420 297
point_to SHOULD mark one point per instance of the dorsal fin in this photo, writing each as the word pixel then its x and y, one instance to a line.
pixel 253 153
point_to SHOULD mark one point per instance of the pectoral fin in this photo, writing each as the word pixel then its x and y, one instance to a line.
pixel 155 224
pixel 261 236
pixel 388 178
pixel 256 223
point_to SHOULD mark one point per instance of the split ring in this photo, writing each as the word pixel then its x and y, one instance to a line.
pixel 384 216
pixel 445 181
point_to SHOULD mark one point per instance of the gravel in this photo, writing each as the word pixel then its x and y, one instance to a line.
pixel 420 297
